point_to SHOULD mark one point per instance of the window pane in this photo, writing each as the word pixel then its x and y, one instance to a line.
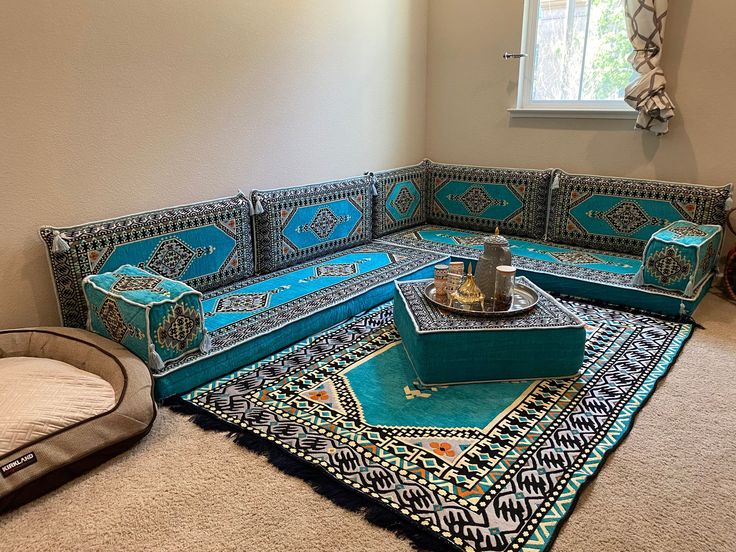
pixel 565 68
pixel 607 70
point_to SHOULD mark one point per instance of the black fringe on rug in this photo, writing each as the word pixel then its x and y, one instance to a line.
pixel 374 512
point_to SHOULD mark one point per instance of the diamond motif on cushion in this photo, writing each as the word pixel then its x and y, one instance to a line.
pixel 336 269
pixel 171 258
pixel 179 327
pixel 243 302
pixel 112 319
pixel 323 223
pixel 476 200
pixel 136 283
pixel 403 201
pixel 575 257
pixel 668 266
pixel 469 240
pixel 685 231
pixel 626 217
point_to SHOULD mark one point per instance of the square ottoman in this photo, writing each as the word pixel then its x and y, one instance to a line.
pixel 447 348
pixel 158 319
pixel 681 256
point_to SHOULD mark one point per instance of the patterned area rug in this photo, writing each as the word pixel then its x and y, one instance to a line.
pixel 471 467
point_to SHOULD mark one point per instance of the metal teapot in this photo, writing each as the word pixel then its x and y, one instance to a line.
pixel 496 252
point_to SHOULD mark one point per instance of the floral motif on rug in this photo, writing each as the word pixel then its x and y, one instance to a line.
pixel 481 467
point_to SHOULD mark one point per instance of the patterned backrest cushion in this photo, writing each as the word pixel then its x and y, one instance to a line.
pixel 621 214
pixel 206 245
pixel 399 202
pixel 482 198
pixel 296 224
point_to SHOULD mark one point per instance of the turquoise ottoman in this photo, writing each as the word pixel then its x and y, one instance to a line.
pixel 158 319
pixel 446 348
pixel 681 256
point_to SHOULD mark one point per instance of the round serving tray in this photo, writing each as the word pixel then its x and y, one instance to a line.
pixel 525 299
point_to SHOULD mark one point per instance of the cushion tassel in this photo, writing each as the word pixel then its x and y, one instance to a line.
pixel 556 182
pixel 638 278
pixel 374 190
pixel 206 345
pixel 689 289
pixel 248 202
pixel 154 360
pixel 729 202
pixel 59 244
pixel 259 206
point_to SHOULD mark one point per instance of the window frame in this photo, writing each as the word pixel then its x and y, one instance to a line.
pixel 527 107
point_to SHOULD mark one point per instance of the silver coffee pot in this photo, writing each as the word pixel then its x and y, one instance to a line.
pixel 496 252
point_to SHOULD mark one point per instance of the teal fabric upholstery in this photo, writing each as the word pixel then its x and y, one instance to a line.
pixel 681 256
pixel 301 223
pixel 444 348
pixel 158 319
pixel 482 198
pixel 252 319
pixel 206 245
pixel 620 215
pixel 570 270
pixel 400 199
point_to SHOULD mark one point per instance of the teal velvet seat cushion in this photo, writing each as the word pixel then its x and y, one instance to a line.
pixel 205 245
pixel 252 319
pixel 300 223
pixel 621 214
pixel 570 270
pixel 482 198
pixel 400 199
pixel 158 319
pixel 681 256
pixel 446 348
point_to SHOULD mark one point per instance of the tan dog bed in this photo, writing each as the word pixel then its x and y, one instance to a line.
pixel 69 400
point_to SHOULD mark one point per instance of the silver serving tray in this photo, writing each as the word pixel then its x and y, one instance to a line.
pixel 525 299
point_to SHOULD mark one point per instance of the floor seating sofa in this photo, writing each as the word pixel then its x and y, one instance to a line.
pixel 282 264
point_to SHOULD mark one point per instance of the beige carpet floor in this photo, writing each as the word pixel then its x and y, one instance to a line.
pixel 670 486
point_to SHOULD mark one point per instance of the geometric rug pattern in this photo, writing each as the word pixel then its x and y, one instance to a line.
pixel 480 467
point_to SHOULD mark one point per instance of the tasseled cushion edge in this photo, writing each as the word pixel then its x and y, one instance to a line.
pixel 59 244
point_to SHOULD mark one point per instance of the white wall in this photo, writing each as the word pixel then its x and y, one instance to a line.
pixel 110 108
pixel 470 87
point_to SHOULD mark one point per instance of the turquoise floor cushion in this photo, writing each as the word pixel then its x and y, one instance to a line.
pixel 566 269
pixel 681 256
pixel 446 348
pixel 158 319
pixel 252 319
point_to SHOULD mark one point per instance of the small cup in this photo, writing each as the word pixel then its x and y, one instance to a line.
pixel 503 296
pixel 440 272
pixel 457 267
pixel 454 281
pixel 440 288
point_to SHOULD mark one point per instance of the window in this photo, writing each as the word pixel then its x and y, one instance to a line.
pixel 576 60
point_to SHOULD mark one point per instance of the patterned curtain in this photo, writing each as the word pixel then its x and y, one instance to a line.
pixel 645 22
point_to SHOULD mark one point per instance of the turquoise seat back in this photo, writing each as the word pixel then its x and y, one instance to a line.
pixel 620 214
pixel 301 223
pixel 483 198
pixel 400 199
pixel 205 245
